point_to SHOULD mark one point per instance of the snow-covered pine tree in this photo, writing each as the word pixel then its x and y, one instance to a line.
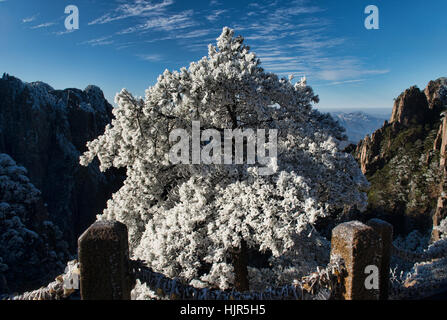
pixel 32 251
pixel 199 222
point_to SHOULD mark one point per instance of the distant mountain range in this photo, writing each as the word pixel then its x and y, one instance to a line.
pixel 359 124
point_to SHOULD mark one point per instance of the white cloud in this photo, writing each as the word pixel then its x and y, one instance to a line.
pixel 43 25
pixel 61 33
pixel 290 38
pixel 102 41
pixel 345 68
pixel 346 82
pixel 214 3
pixel 30 19
pixel 166 23
pixel 185 35
pixel 137 8
pixel 306 47
pixel 150 57
pixel 215 15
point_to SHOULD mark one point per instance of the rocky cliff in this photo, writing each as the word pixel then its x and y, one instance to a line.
pixel 441 205
pixel 45 131
pixel 404 160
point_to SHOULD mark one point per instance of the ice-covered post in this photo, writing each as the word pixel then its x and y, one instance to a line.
pixel 385 231
pixel 360 247
pixel 104 262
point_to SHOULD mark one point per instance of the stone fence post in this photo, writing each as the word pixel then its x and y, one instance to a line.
pixel 362 247
pixel 104 262
pixel 385 231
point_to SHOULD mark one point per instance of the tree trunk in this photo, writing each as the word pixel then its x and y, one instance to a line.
pixel 240 262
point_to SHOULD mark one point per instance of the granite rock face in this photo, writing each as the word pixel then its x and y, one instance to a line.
pixel 440 145
pixel 403 160
pixel 436 93
pixel 411 107
pixel 45 131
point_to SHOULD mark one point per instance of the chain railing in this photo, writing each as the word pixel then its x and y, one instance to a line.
pixel 62 288
pixel 320 285
pixel 106 270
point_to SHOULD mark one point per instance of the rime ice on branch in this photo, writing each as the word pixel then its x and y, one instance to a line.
pixel 199 222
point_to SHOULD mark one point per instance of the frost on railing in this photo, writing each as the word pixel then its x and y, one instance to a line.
pixel 320 285
pixel 60 289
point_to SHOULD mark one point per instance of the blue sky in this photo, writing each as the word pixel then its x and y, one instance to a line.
pixel 128 43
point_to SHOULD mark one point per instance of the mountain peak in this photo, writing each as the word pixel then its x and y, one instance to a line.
pixel 436 93
pixel 410 107
pixel 415 106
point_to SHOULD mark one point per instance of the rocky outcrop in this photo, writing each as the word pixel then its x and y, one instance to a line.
pixel 403 160
pixel 436 93
pixel 411 107
pixel 441 206
pixel 371 152
pixel 45 131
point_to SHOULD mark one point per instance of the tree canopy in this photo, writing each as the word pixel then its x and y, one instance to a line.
pixel 197 221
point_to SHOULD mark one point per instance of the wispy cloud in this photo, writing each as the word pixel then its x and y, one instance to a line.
pixel 338 73
pixel 346 82
pixel 215 15
pixel 61 33
pixel 144 16
pixel 214 3
pixel 29 19
pixel 102 41
pixel 186 35
pixel 306 48
pixel 150 57
pixel 168 23
pixel 136 8
pixel 43 25
pixel 290 38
